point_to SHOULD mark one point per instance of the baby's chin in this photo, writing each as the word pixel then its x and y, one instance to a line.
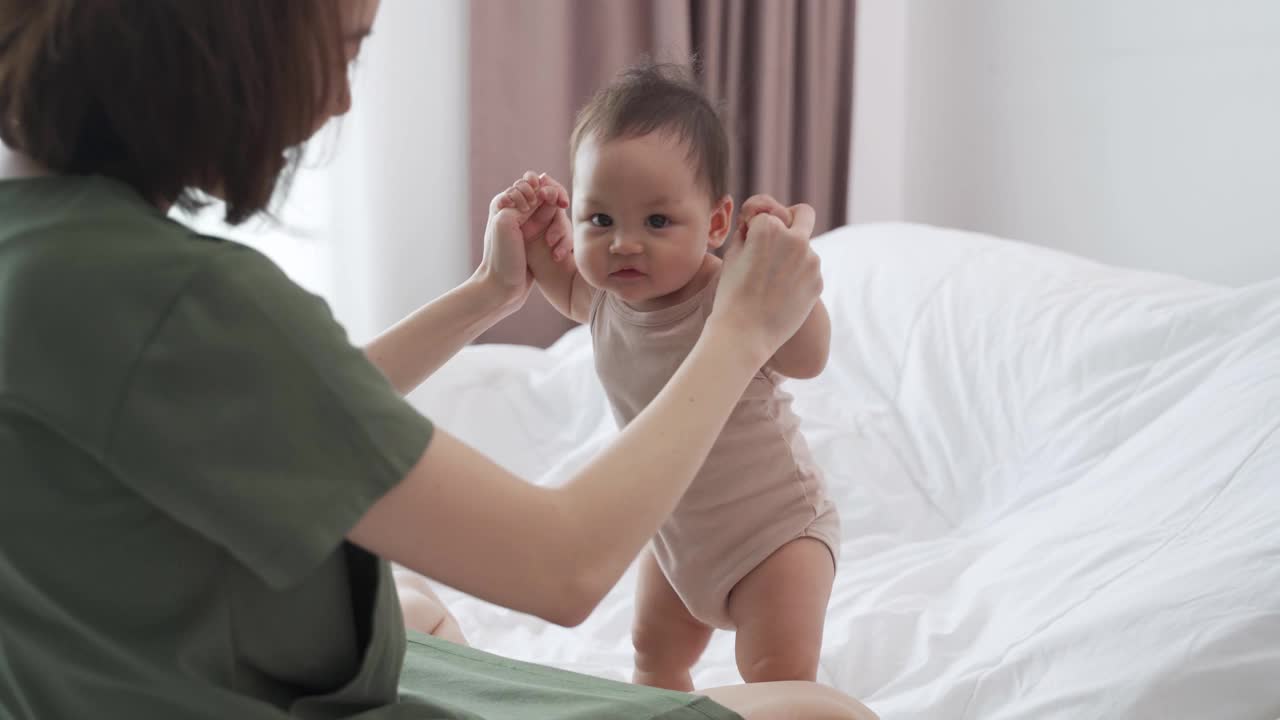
pixel 630 291
pixel 639 294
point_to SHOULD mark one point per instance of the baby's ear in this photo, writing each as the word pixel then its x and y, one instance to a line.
pixel 721 217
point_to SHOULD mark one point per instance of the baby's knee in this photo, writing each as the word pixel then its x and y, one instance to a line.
pixel 420 612
pixel 648 640
pixel 424 611
pixel 410 581
pixel 660 646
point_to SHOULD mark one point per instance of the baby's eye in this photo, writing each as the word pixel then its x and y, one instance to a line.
pixel 601 220
pixel 657 222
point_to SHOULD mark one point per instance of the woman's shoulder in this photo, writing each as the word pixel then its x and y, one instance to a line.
pixel 88 276
pixel 90 234
pixel 77 250
pixel 57 228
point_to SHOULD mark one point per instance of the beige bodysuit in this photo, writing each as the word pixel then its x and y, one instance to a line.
pixel 759 488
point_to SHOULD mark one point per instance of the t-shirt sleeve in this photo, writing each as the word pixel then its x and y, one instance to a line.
pixel 251 419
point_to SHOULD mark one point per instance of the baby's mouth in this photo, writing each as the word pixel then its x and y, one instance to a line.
pixel 626 274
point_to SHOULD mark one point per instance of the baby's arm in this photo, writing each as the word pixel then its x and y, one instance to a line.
pixel 805 354
pixel 550 256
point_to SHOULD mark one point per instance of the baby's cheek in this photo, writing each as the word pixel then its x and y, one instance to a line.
pixel 686 259
pixel 590 263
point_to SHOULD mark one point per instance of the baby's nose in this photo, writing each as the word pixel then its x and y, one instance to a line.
pixel 621 245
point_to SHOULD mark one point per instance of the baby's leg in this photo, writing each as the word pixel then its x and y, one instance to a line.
pixel 779 609
pixel 423 610
pixel 668 640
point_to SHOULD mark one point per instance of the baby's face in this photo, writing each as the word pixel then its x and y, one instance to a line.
pixel 642 223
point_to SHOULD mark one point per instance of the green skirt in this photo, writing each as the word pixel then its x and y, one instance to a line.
pixel 444 681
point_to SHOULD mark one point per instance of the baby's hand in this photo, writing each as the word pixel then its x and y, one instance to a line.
pixel 539 202
pixel 763 205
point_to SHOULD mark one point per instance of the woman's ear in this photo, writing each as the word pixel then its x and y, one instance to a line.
pixel 721 216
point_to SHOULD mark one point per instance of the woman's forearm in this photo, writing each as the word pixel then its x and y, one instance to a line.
pixel 467 522
pixel 411 350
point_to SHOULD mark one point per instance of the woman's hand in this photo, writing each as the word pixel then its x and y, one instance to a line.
pixel 771 278
pixel 519 214
pixel 762 205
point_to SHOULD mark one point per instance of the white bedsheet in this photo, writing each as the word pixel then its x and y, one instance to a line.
pixel 1060 484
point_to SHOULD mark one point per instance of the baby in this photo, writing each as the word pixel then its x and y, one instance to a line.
pixel 752 544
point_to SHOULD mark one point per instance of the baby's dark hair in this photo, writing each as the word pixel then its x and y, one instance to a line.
pixel 659 97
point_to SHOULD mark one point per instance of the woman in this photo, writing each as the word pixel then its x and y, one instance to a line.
pixel 204 482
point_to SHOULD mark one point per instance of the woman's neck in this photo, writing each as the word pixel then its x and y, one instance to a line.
pixel 14 165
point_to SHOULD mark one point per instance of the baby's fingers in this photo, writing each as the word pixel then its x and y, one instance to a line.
pixel 560 195
pixel 804 218
pixel 762 205
pixel 525 196
pixel 558 237
pixel 504 200
pixel 511 198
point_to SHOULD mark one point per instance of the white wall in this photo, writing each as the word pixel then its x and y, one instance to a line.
pixel 877 162
pixel 1139 132
pixel 377 222
pixel 409 233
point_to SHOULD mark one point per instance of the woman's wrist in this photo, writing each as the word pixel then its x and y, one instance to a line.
pixel 493 299
pixel 747 343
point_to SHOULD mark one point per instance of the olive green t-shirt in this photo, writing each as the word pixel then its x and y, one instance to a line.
pixel 185 439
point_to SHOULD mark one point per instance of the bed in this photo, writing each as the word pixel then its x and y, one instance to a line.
pixel 1059 480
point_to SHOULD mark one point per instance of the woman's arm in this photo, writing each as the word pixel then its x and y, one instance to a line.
pixel 417 346
pixel 554 552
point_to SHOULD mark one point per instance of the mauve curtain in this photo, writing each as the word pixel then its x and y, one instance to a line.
pixel 782 69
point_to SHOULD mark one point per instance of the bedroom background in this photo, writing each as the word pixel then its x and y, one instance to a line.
pixel 1062 473
pixel 1137 132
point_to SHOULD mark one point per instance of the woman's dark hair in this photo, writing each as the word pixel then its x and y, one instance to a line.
pixel 172 97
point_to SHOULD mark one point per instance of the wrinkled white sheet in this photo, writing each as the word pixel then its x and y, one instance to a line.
pixel 1060 484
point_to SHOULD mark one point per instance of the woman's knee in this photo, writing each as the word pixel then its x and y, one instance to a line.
pixel 790 701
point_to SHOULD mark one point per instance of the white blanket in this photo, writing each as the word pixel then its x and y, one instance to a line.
pixel 1060 484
